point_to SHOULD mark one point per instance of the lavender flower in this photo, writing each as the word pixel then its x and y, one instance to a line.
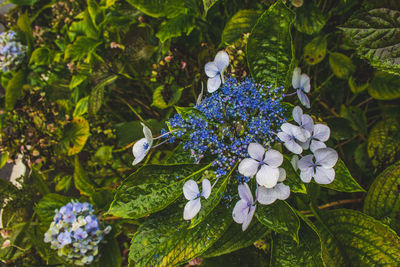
pixel 192 193
pixel 215 71
pixel 244 209
pixel 318 166
pixel 142 147
pixel 301 82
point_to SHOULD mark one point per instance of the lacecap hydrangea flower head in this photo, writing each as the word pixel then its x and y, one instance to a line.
pixel 12 52
pixel 240 126
pixel 76 233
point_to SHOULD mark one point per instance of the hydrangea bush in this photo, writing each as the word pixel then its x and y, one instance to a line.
pixel 12 51
pixel 76 233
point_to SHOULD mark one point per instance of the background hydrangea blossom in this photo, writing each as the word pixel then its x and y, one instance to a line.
pixel 76 233
pixel 12 51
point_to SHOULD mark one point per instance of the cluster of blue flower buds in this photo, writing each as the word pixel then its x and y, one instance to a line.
pixel 12 51
pixel 76 233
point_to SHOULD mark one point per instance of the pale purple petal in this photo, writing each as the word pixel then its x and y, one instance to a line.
pixel 305 145
pixel 306 162
pixel 248 219
pixel 306 174
pixel 326 157
pixel 321 132
pixel 191 190
pixel 273 158
pixel 206 188
pixel 221 60
pixel 296 78
pixel 315 145
pixel 324 176
pixel 248 167
pixel 256 151
pixel 191 209
pixel 245 193
pixel 211 69
pixel 139 150
pixel 282 175
pixel 148 135
pixel 297 114
pixel 267 176
pixel 294 161
pixel 303 98
pixel 213 83
pixel 307 123
pixel 293 147
pixel 298 133
pixel 266 196
pixel 284 137
pixel 305 83
pixel 240 211
pixel 282 191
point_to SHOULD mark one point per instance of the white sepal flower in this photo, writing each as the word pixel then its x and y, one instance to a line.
pixel 320 135
pixel 304 121
pixel 301 82
pixel 142 147
pixel 244 209
pixel 318 166
pixel 215 71
pixel 192 193
pixel 263 164
pixel 290 133
pixel 268 196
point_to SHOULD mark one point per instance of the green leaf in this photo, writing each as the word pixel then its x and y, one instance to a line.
pixel 352 238
pixel 81 48
pixel 286 252
pixel 309 19
pixel 103 154
pixel 64 184
pixel 234 238
pixel 315 51
pixel 279 217
pixel 3 159
pixel 357 118
pixel 160 8
pixel 24 24
pixel 385 86
pixel 77 80
pixel 152 188
pixel 343 181
pixel 377 35
pixel 75 136
pixel 23 2
pixel 356 87
pixel 208 4
pixel 341 65
pixel 158 96
pixel 187 112
pixel 110 253
pixel 383 143
pixel 97 94
pixel 14 89
pixel 46 207
pixel 292 178
pixel 270 49
pixel 207 205
pixel 383 200
pixel 340 128
pixel 164 240
pixel 175 27
pixel 242 22
pixel 40 56
pixel 81 107
pixel 81 180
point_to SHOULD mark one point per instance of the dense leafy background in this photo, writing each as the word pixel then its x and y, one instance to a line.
pixel 96 69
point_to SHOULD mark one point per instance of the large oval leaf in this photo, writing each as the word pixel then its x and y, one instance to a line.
pixel 385 86
pixel 46 207
pixel 280 217
pixel 377 34
pixel 383 199
pixel 152 188
pixel 309 19
pixel 353 238
pixel 164 240
pixel 242 22
pixel 383 143
pixel 270 48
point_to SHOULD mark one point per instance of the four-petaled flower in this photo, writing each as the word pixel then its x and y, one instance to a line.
pixel 142 147
pixel 192 193
pixel 301 82
pixel 320 135
pixel 304 121
pixel 269 161
pixel 290 133
pixel 215 71
pixel 318 166
pixel 244 209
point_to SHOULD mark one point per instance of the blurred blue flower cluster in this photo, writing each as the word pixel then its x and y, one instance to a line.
pixel 234 116
pixel 12 51
pixel 76 233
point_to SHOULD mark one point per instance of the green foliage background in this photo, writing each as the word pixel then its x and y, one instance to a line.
pixel 95 69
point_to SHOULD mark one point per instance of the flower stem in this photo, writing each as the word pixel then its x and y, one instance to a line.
pixel 333 204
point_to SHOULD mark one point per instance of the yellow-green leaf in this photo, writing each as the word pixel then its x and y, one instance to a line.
pixel 75 136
